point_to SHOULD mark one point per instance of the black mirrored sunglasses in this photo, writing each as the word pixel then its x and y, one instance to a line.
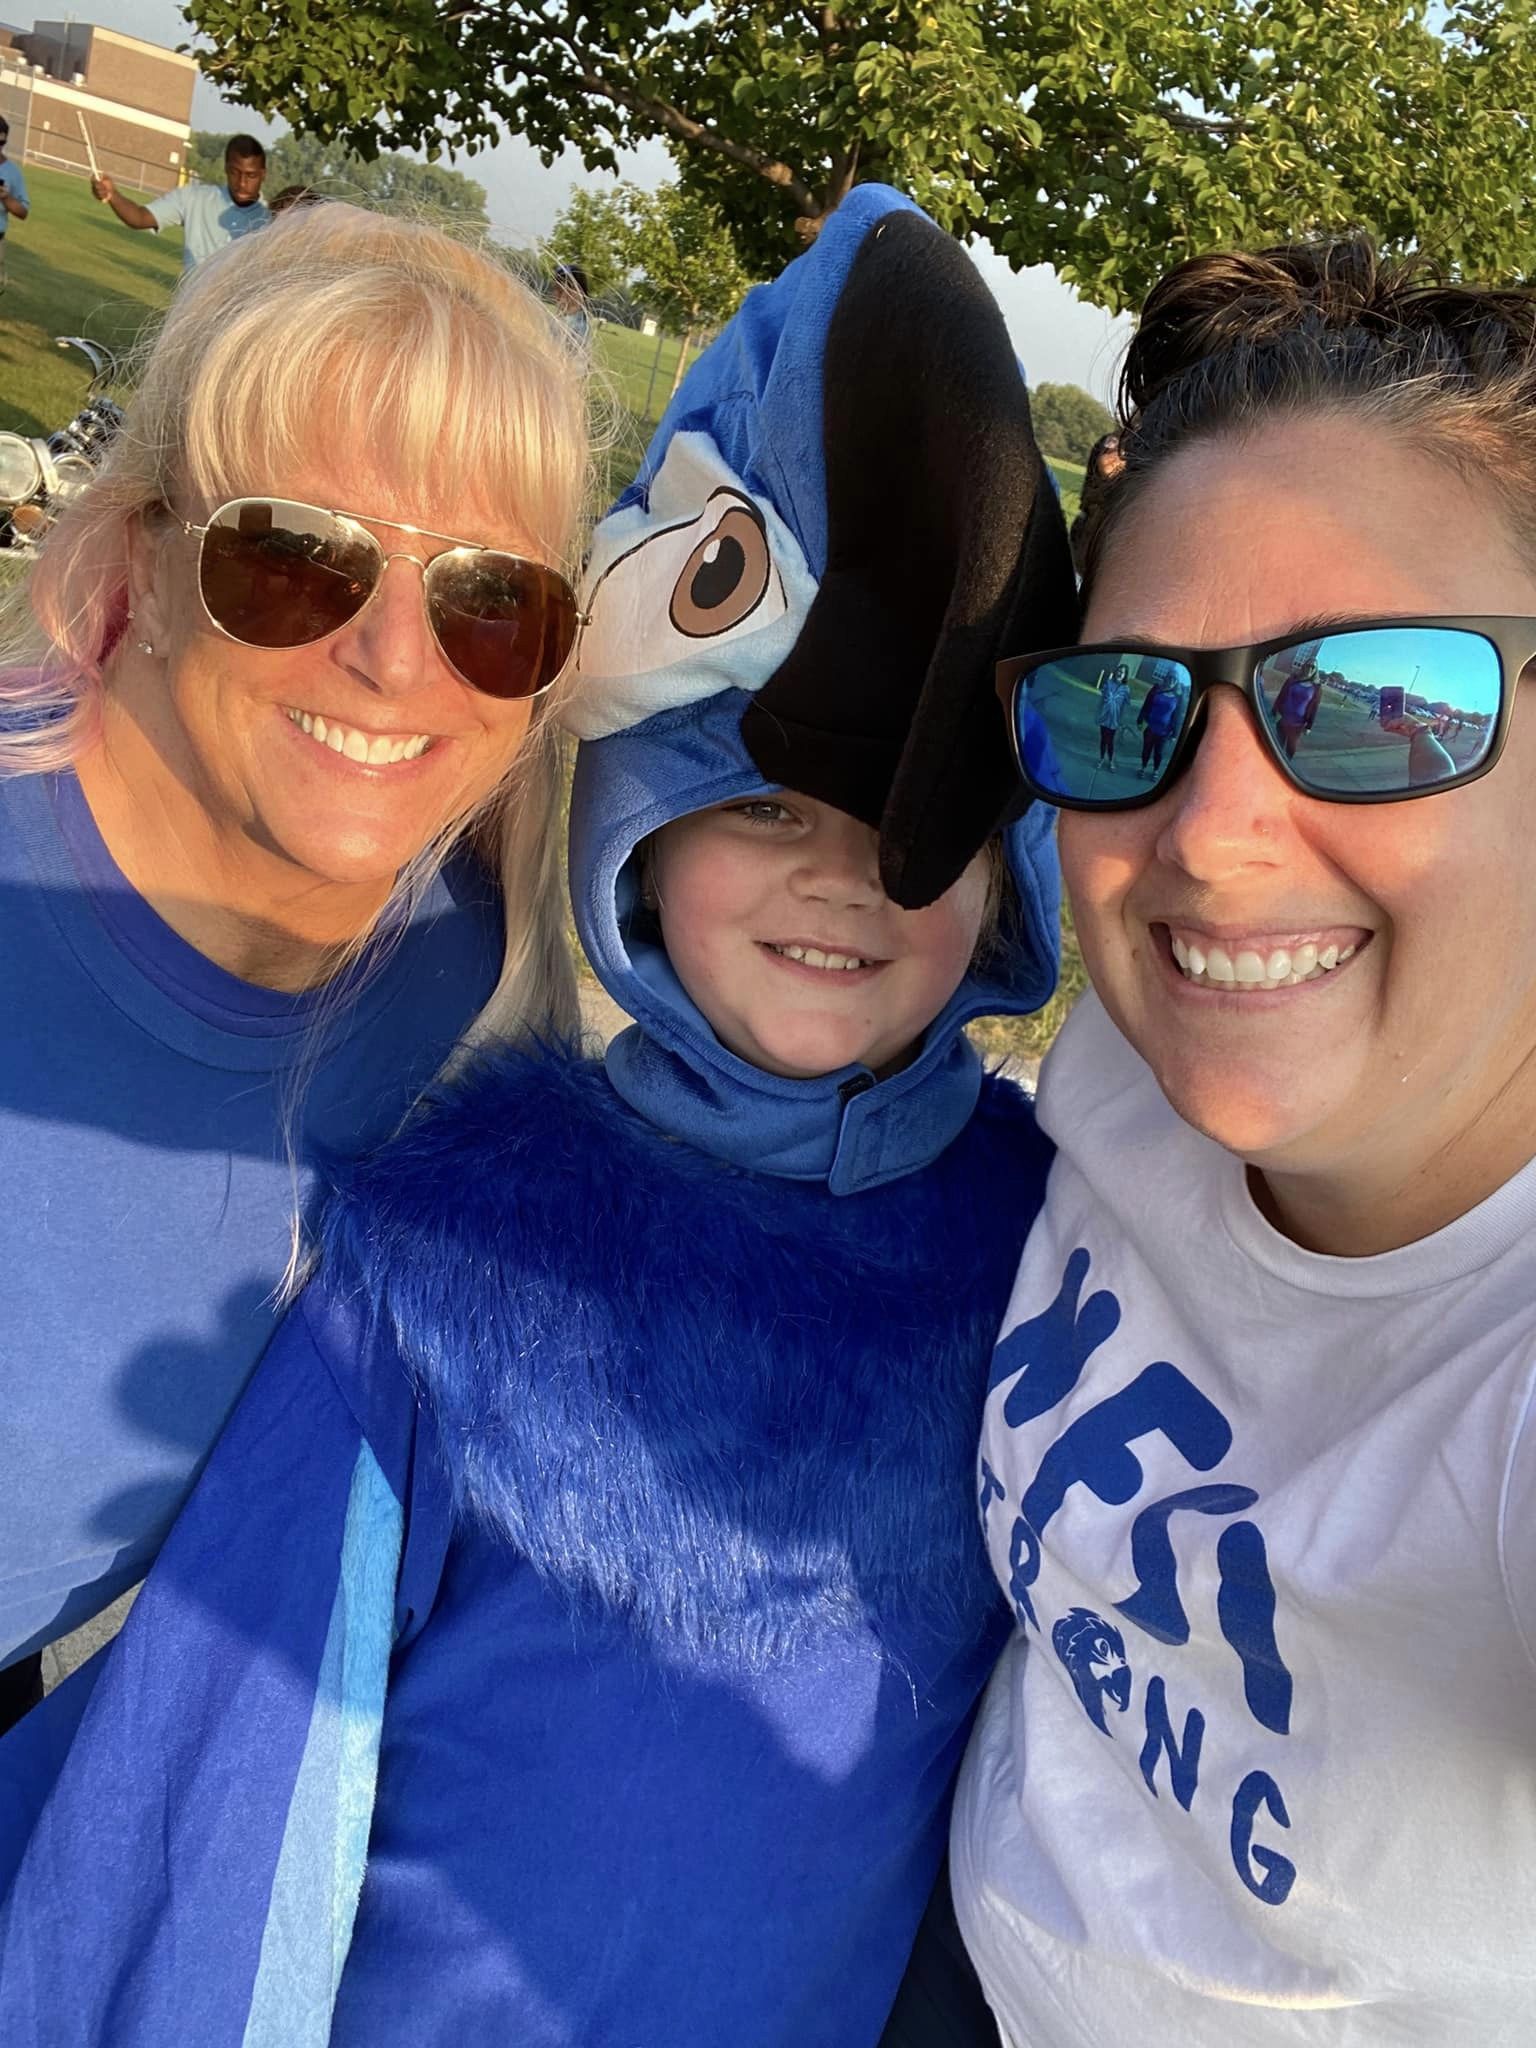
pixel 278 573
pixel 1375 711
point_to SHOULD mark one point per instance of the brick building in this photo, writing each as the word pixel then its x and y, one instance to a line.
pixel 135 97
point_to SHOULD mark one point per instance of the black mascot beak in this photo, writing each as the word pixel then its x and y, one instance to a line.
pixel 947 550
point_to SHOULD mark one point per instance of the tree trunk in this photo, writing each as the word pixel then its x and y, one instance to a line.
pixel 682 362
pixel 840 182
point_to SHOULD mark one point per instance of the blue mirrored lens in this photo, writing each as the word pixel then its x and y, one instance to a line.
pixel 1098 728
pixel 1388 708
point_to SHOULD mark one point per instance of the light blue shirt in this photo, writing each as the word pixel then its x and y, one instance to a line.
pixel 208 219
pixel 14 183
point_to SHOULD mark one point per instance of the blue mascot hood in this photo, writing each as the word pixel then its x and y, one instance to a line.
pixel 744 634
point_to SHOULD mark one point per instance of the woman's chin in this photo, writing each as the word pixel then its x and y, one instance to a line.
pixel 1256 1117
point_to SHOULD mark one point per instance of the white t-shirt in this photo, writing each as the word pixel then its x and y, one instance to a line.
pixel 1260 1765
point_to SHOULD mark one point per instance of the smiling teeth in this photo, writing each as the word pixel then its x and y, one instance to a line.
pixel 1215 967
pixel 376 751
pixel 812 956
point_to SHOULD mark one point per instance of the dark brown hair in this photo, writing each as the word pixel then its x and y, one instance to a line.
pixel 1226 342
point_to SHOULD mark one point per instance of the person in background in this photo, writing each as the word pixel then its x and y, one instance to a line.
pixel 210 216
pixel 1114 695
pixel 571 299
pixel 256 786
pixel 14 203
pixel 1105 463
pixel 1158 716
pixel 1296 706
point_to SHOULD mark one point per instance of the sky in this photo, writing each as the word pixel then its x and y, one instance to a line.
pixel 1059 338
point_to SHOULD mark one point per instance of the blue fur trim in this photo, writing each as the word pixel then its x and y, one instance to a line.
pixel 731 1409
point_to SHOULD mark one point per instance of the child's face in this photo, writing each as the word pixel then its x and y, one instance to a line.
pixel 747 891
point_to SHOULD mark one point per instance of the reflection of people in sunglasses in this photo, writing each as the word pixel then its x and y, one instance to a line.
pixel 1258 1476
pixel 203 833
pixel 1296 704
pixel 1114 695
pixel 1158 719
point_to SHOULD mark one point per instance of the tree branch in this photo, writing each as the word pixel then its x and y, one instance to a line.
pixel 840 177
pixel 675 122
pixel 1198 124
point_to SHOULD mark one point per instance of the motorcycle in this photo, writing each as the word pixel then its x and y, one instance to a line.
pixel 38 476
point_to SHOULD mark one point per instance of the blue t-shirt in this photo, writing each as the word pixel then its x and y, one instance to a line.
pixel 1160 709
pixel 208 219
pixel 148 1194
pixel 14 183
pixel 1297 701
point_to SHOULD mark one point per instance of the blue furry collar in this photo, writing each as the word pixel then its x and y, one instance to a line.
pixel 731 1410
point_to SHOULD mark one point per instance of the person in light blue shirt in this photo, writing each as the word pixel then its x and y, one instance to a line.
pixel 14 203
pixel 209 216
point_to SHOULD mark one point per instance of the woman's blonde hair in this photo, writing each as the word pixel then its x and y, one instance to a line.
pixel 325 322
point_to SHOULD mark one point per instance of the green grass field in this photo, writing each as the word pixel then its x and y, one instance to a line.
pixel 1070 477
pixel 72 268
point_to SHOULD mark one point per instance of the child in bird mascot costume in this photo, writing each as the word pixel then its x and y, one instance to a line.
pixel 575 1633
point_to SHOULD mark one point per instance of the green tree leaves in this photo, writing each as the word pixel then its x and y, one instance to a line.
pixel 594 231
pixel 1067 420
pixel 670 252
pixel 690 274
pixel 1108 140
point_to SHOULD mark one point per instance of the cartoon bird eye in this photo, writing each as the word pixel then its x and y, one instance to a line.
pixel 686 594
pixel 725 578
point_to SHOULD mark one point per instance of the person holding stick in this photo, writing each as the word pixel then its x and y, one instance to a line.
pixel 209 216
pixel 14 204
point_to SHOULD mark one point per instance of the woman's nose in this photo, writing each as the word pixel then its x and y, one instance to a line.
pixel 1231 807
pixel 389 645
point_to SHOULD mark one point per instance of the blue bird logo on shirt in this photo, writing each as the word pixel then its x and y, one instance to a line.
pixel 1094 1655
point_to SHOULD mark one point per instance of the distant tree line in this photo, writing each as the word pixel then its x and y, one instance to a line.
pixel 1067 420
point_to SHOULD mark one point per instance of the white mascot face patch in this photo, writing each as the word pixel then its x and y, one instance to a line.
pixel 703 590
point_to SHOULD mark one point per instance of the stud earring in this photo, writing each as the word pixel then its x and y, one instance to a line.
pixel 144 646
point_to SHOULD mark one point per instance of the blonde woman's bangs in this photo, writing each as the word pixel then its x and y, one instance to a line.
pixel 483 403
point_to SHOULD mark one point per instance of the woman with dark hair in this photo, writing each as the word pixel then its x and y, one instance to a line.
pixel 1258 1474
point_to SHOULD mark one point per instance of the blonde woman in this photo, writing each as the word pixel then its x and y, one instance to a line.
pixel 255 785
